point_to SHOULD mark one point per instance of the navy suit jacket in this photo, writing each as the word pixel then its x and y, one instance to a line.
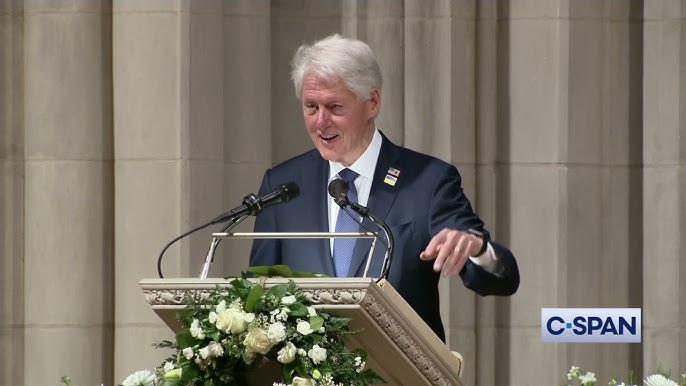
pixel 426 198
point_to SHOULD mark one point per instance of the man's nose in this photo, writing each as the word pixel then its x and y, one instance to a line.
pixel 323 119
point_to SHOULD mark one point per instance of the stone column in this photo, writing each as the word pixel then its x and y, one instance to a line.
pixel 11 192
pixel 68 302
pixel 248 106
pixel 664 186
pixel 151 61
pixel 381 25
pixel 569 95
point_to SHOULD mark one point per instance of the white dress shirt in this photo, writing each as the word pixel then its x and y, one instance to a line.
pixel 365 166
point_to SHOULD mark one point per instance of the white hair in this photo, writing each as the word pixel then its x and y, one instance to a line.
pixel 335 57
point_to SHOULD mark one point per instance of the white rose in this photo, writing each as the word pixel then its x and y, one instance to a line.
pixel 249 317
pixel 231 321
pixel 212 317
pixel 304 328
pixel 277 332
pixel 311 311
pixel 188 352
pixel 288 300
pixel 216 349
pixel 258 341
pixel 287 353
pixel 297 381
pixel 318 354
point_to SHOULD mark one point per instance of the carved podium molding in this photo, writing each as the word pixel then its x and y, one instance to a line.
pixel 401 347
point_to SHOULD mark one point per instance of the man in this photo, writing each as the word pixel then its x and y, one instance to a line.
pixel 420 197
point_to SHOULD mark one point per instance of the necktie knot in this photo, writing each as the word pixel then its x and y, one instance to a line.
pixel 349 176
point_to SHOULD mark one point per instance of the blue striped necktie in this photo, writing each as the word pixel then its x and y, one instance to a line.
pixel 343 247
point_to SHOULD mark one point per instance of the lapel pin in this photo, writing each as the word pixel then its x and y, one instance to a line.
pixel 391 176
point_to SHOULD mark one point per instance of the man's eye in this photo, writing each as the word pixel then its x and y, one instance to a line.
pixel 310 108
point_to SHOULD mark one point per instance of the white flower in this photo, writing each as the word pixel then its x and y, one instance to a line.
pixel 277 332
pixel 188 352
pixel 220 307
pixel 196 330
pixel 258 341
pixel 168 366
pixel 360 364
pixel 659 380
pixel 204 352
pixel 287 353
pixel 573 372
pixel 302 352
pixel 311 311
pixel 232 321
pixel 216 349
pixel 318 354
pixel 212 317
pixel 304 328
pixel 249 317
pixel 140 378
pixel 587 378
pixel 288 300
pixel 297 381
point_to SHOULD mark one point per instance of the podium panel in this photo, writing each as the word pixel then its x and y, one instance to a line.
pixel 401 347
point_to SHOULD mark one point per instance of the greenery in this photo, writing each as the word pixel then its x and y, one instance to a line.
pixel 236 329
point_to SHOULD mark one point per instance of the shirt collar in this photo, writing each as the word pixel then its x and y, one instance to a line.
pixel 364 165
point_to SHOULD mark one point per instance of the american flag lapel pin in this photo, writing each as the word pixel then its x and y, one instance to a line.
pixel 392 176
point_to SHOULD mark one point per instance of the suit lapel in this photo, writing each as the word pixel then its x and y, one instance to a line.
pixel 381 199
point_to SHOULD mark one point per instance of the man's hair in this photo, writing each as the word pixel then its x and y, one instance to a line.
pixel 336 57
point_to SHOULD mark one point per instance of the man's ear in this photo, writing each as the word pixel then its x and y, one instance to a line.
pixel 374 103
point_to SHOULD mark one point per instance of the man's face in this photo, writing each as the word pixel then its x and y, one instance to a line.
pixel 340 125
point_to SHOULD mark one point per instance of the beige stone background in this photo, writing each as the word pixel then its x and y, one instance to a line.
pixel 125 123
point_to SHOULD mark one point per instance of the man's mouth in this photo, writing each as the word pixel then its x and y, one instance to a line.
pixel 328 137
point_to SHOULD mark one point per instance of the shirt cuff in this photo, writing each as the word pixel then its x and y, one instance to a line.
pixel 488 261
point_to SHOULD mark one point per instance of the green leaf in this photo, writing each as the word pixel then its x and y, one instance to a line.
pixel 253 297
pixel 185 339
pixel 277 292
pixel 298 309
pixel 316 322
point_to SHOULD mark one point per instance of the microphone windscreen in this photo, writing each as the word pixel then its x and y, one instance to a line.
pixel 338 189
pixel 291 190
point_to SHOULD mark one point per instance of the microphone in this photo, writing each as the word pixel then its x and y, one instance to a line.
pixel 253 205
pixel 338 190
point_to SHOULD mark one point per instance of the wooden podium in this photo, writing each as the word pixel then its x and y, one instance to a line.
pixel 401 347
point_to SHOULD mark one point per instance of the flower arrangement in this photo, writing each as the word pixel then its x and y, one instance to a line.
pixel 660 378
pixel 237 329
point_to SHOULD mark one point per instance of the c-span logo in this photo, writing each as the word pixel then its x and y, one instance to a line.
pixel 591 325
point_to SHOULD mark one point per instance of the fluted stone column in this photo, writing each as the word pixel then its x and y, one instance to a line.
pixel 151 61
pixel 68 302
pixel 248 105
pixel 11 193
pixel 664 187
pixel 569 93
pixel 381 25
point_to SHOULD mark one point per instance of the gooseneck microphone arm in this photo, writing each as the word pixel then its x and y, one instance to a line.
pixel 252 206
pixel 338 189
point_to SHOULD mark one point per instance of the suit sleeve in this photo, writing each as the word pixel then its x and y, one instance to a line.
pixel 266 251
pixel 450 208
